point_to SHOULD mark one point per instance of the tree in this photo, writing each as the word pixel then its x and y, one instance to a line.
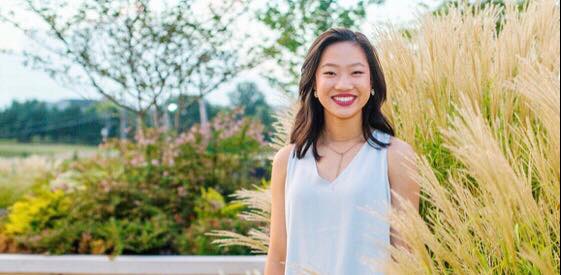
pixel 136 53
pixel 185 118
pixel 296 24
pixel 252 100
pixel 71 121
pixel 21 120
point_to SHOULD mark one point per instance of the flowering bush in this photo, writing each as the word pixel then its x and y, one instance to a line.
pixel 154 195
pixel 213 213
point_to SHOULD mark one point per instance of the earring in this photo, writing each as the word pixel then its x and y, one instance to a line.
pixel 315 93
pixel 373 92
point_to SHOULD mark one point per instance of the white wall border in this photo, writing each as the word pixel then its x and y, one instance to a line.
pixel 142 265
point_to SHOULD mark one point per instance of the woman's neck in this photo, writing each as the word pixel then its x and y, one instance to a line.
pixel 341 130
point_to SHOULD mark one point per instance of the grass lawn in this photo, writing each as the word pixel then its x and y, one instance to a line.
pixel 17 175
pixel 21 163
pixel 15 149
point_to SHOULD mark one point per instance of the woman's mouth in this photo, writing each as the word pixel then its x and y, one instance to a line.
pixel 344 100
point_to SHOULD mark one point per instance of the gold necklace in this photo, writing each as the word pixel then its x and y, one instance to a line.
pixel 341 154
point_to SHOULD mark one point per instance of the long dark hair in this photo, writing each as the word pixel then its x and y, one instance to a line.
pixel 309 122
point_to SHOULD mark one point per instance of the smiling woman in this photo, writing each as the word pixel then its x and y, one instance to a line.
pixel 323 181
pixel 342 74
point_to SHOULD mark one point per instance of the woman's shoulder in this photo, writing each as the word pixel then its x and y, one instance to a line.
pixel 398 149
pixel 282 155
pixel 280 165
pixel 401 162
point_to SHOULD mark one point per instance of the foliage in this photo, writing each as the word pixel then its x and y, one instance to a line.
pixel 197 243
pixel 35 212
pixel 258 211
pixel 212 214
pixel 252 100
pixel 186 117
pixel 142 197
pixel 33 120
pixel 77 122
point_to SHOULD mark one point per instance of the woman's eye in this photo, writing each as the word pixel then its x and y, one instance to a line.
pixel 332 73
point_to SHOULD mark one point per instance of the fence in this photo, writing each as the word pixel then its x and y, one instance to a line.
pixel 141 265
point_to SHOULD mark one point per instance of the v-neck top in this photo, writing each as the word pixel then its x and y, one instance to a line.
pixel 362 148
pixel 338 227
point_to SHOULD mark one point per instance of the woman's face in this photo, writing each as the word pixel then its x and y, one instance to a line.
pixel 343 80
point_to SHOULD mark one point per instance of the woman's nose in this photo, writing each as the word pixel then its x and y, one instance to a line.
pixel 344 83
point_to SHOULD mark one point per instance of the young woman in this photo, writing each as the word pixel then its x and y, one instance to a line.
pixel 342 159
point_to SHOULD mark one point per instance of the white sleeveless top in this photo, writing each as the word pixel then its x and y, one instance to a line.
pixel 330 229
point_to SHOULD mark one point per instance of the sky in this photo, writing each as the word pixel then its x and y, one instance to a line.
pixel 18 82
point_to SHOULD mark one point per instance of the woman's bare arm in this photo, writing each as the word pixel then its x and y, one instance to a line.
pixel 399 168
pixel 277 239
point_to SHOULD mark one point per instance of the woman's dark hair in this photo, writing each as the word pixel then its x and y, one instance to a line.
pixel 309 122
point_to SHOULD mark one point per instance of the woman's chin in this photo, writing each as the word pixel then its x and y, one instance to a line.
pixel 343 114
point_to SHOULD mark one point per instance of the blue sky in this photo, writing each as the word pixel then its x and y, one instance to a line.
pixel 18 82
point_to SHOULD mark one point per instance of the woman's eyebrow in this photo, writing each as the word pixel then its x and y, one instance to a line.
pixel 335 65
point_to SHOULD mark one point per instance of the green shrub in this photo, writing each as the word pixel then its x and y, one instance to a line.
pixel 157 194
pixel 213 214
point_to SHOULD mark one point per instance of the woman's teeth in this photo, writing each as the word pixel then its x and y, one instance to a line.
pixel 344 99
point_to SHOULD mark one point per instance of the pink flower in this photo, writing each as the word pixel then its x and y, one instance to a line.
pixel 105 186
pixel 181 191
pixel 137 160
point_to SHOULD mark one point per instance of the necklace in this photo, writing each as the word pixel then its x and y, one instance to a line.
pixel 341 154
